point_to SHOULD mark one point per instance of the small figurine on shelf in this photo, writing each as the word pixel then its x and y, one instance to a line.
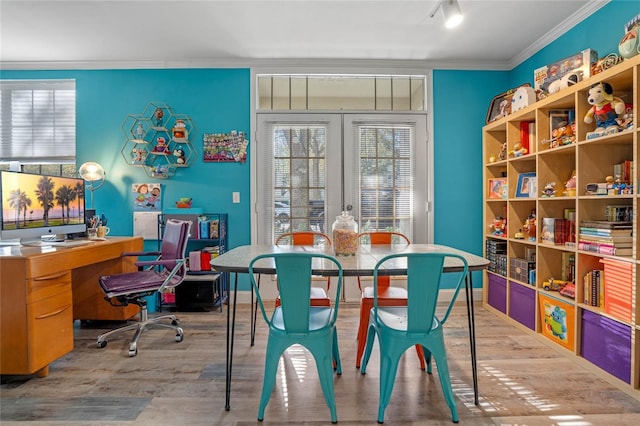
pixel 158 116
pixel 503 152
pixel 180 130
pixel 530 226
pixel 605 110
pixel 549 190
pixel 570 186
pixel 499 226
pixel 161 146
pixel 625 121
pixel 139 132
pixel 518 150
pixel 179 153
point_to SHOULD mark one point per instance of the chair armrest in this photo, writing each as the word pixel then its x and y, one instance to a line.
pixel 141 253
pixel 160 262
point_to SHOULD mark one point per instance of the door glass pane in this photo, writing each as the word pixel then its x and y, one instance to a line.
pixel 299 178
pixel 386 188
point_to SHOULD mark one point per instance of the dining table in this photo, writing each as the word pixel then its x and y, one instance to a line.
pixel 361 264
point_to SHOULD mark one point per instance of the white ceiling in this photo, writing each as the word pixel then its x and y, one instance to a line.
pixel 91 33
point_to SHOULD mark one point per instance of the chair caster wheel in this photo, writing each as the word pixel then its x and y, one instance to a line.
pixel 175 322
pixel 102 344
pixel 133 352
pixel 179 337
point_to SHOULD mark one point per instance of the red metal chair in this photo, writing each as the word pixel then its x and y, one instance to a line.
pixel 388 295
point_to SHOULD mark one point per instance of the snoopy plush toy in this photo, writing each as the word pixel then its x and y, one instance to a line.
pixel 605 110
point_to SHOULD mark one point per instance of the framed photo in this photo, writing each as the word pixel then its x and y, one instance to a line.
pixel 526 185
pixel 501 105
pixel 498 188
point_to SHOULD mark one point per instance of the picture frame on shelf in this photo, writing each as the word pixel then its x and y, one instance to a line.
pixel 500 105
pixel 526 185
pixel 498 188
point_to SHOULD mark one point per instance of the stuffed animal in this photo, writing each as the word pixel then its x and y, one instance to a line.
pixel 605 110
pixel 518 150
pixel 179 153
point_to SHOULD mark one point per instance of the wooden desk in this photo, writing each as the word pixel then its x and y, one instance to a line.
pixel 43 289
pixel 362 264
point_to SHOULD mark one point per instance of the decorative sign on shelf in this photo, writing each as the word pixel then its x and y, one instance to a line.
pixel 224 148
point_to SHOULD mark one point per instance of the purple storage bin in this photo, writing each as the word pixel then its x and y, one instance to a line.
pixel 607 344
pixel 522 305
pixel 497 289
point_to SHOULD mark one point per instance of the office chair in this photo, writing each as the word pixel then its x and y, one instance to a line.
pixel 400 327
pixel 166 271
pixel 295 321
pixel 388 295
pixel 318 295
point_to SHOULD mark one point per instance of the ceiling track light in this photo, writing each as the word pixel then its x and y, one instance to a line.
pixel 451 11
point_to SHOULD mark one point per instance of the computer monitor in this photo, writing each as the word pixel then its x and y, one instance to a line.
pixel 36 207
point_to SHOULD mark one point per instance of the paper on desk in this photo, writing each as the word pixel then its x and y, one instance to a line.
pixel 145 225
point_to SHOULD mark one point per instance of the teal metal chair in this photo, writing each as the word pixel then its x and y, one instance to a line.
pixel 401 327
pixel 295 321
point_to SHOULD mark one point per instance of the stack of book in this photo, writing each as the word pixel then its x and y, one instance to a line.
pixel 606 237
pixel 594 288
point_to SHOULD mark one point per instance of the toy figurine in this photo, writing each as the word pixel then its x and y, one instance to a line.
pixel 625 121
pixel 180 130
pixel 549 190
pixel 499 226
pixel 161 146
pixel 503 152
pixel 570 186
pixel 158 115
pixel 605 110
pixel 529 226
pixel 518 150
pixel 139 132
pixel 180 155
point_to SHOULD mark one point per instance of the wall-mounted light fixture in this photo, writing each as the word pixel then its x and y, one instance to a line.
pixel 451 11
pixel 94 176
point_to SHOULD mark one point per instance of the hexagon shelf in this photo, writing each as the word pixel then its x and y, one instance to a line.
pixel 158 140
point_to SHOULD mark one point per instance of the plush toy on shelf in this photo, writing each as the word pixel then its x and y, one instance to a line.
pixel 605 110
pixel 570 186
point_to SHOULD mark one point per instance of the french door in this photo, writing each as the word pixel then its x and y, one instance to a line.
pixel 312 166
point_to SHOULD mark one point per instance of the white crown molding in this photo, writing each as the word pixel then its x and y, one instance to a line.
pixel 580 15
pixel 299 65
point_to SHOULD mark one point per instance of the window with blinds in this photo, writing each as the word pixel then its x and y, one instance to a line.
pixel 38 121
pixel 386 177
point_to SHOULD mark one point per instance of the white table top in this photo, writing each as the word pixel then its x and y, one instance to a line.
pixel 361 264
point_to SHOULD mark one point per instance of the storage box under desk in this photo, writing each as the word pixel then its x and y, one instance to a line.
pixel 607 344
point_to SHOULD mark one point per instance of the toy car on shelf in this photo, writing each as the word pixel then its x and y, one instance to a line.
pixel 554 285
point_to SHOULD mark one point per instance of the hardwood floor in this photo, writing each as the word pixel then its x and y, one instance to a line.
pixel 522 381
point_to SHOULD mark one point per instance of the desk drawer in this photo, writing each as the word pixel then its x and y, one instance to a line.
pixel 50 329
pixel 43 287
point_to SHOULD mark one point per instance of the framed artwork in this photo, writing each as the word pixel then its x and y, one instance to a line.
pixel 500 106
pixel 526 185
pixel 498 188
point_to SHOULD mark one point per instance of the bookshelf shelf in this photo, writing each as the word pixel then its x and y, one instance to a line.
pixel 510 288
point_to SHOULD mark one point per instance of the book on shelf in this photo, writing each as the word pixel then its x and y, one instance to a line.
pixel 604 248
pixel 607 239
pixel 593 288
pixel 622 213
pixel 621 232
pixel 568 266
pixel 606 224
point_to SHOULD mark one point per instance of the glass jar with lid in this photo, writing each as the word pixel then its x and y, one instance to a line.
pixel 345 235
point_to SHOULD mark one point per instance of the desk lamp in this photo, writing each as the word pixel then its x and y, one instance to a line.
pixel 94 176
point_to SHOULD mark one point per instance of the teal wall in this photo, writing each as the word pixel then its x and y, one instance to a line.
pixel 218 100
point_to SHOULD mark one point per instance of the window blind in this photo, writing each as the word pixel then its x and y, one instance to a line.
pixel 38 121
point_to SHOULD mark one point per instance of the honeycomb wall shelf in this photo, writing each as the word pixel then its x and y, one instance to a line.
pixel 158 140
